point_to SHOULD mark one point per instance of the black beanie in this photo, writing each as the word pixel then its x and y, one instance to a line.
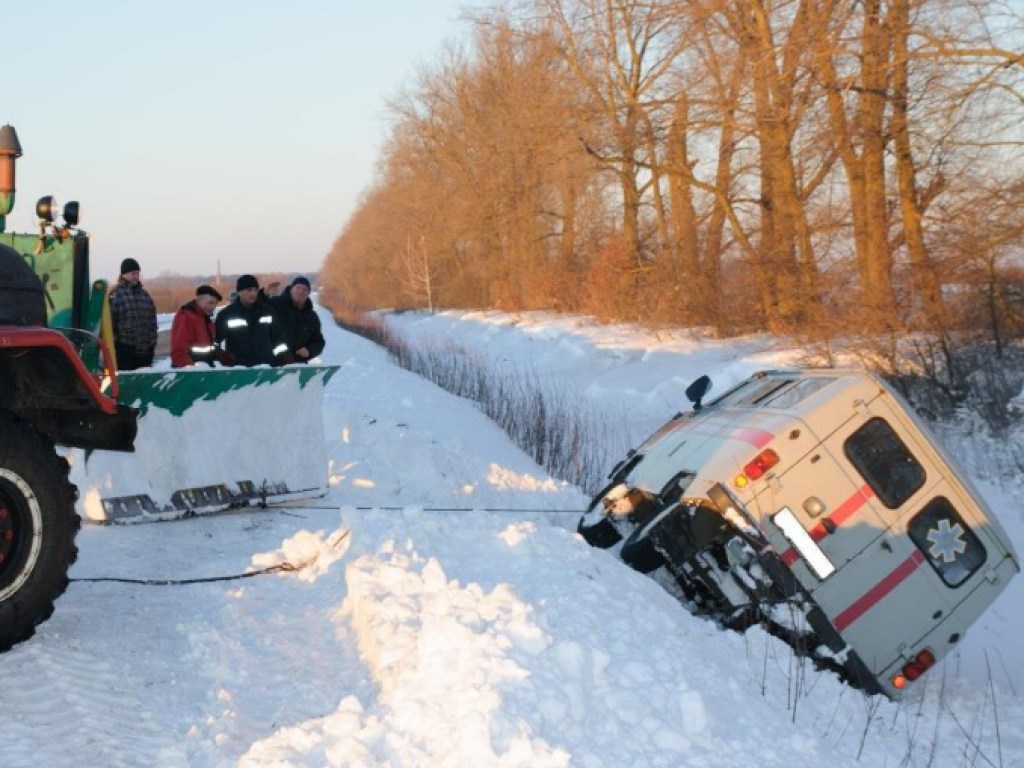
pixel 208 290
pixel 129 265
pixel 300 280
pixel 246 281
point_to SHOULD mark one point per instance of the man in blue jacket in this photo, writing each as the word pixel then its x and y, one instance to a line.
pixel 246 329
pixel 297 322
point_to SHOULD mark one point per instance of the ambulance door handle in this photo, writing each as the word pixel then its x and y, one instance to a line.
pixel 861 408
pixel 992 575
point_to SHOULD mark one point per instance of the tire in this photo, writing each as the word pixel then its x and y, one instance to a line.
pixel 38 525
pixel 638 551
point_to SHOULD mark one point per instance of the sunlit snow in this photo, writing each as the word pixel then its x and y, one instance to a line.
pixel 437 609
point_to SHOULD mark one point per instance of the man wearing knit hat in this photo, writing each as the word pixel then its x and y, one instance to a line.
pixel 192 332
pixel 246 327
pixel 134 318
pixel 298 322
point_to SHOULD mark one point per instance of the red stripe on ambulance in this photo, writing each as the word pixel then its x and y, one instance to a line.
pixel 851 505
pixel 758 438
pixel 843 512
pixel 870 598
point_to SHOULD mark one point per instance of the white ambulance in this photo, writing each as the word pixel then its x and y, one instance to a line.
pixel 817 490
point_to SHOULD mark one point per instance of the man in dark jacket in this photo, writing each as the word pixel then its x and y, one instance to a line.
pixel 193 332
pixel 298 323
pixel 246 327
pixel 134 318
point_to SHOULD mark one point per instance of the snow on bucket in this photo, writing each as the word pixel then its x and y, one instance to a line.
pixel 209 439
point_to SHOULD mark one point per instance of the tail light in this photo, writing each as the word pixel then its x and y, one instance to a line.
pixel 919 665
pixel 914 668
pixel 757 467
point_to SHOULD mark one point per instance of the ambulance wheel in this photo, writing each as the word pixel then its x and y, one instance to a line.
pixel 38 525
pixel 638 551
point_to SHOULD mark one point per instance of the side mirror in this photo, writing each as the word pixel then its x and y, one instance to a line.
pixel 696 391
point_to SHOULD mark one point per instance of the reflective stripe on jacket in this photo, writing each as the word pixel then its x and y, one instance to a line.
pixel 192 334
pixel 249 334
pixel 299 326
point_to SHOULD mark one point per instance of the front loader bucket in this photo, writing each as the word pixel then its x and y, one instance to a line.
pixel 178 390
pixel 210 439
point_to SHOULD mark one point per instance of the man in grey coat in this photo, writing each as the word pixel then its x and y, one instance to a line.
pixel 134 317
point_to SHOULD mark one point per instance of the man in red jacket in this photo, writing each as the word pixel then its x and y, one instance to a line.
pixel 192 332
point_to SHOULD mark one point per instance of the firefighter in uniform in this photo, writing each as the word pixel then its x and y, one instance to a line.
pixel 298 321
pixel 246 328
pixel 193 332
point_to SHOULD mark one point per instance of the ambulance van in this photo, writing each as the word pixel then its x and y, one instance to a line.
pixel 816 504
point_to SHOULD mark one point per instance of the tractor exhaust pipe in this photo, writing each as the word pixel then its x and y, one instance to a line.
pixel 10 150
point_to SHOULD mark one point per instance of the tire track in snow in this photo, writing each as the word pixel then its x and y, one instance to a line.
pixel 79 712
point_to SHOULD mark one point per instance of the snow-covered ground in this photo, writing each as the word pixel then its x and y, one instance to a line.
pixel 405 637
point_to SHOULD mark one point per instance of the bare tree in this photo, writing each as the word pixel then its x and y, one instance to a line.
pixel 620 52
pixel 790 165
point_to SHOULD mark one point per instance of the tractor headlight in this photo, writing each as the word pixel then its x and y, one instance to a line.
pixel 71 213
pixel 46 208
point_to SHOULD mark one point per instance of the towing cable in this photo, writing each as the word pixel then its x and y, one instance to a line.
pixel 371 508
pixel 178 582
pixel 279 568
pixel 287 567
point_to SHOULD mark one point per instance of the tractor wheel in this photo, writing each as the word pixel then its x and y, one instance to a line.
pixel 38 525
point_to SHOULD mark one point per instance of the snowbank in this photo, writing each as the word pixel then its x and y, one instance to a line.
pixel 440 639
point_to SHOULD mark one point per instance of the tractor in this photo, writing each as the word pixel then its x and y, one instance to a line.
pixel 51 393
pixel 171 403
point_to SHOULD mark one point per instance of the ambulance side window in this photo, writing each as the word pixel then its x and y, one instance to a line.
pixel 949 546
pixel 800 391
pixel 885 462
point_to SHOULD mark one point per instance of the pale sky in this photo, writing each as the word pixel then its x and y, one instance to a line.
pixel 198 130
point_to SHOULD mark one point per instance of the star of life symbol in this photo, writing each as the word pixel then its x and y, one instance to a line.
pixel 947 542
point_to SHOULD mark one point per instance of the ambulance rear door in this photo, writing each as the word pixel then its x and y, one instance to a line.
pixel 884 598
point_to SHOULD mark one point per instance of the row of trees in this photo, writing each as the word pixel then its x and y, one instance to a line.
pixel 739 164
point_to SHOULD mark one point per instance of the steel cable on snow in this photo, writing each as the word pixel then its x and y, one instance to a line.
pixel 178 582
pixel 506 510
pixel 288 567
pixel 284 567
